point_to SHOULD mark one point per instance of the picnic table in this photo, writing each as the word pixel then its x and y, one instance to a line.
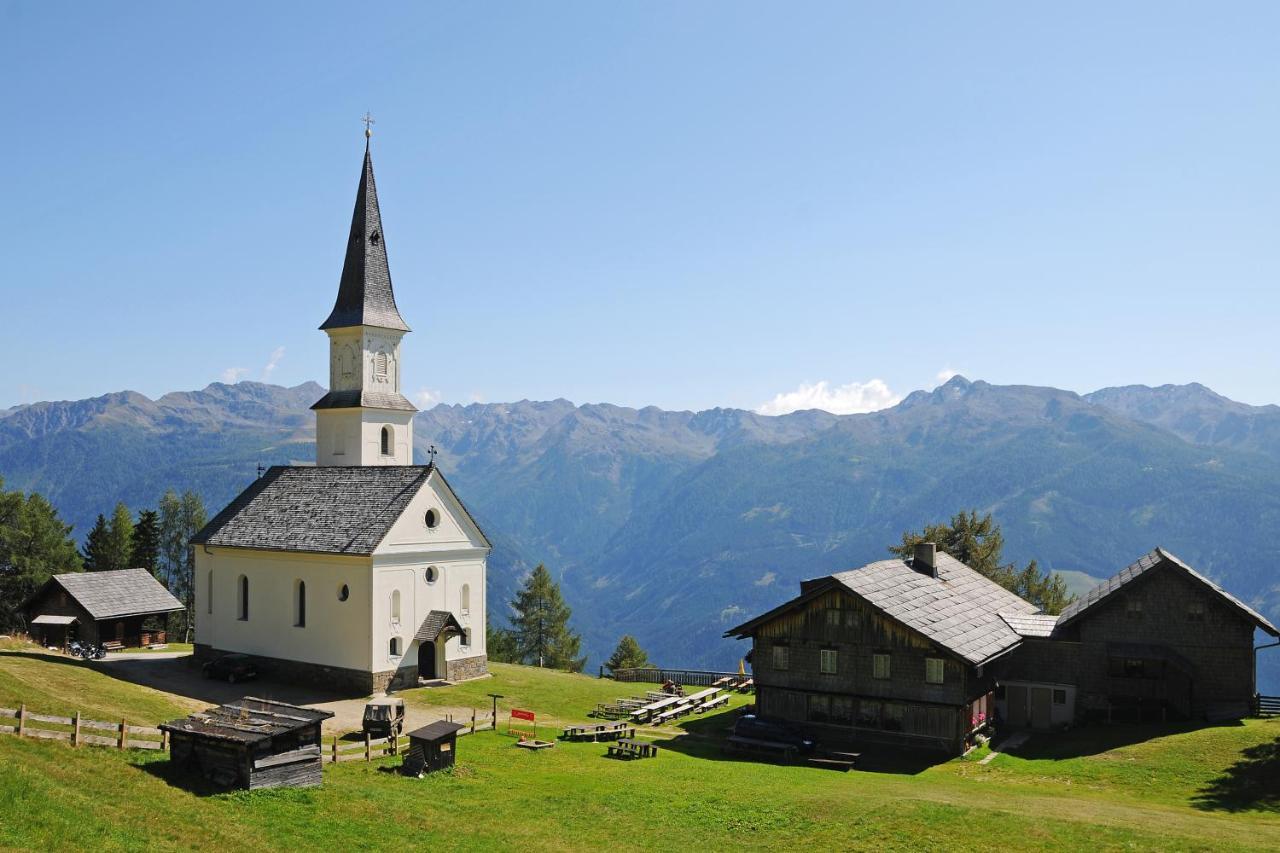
pixel 715 702
pixel 643 713
pixel 598 732
pixel 747 685
pixel 671 713
pixel 703 694
pixel 726 681
pixel 632 748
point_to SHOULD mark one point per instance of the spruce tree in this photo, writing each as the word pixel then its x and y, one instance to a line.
pixel 500 645
pixel 146 541
pixel 628 655
pixel 34 545
pixel 95 548
pixel 118 544
pixel 541 625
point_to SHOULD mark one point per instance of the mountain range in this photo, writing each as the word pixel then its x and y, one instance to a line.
pixel 675 525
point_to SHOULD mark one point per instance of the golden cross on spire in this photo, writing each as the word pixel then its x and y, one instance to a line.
pixel 368 124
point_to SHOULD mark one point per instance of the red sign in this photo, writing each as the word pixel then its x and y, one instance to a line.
pixel 517 714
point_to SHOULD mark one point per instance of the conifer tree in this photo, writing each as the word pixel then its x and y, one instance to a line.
pixel 978 543
pixel 628 655
pixel 500 645
pixel 34 545
pixel 95 548
pixel 146 541
pixel 541 625
pixel 118 543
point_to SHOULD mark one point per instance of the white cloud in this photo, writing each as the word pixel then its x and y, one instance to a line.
pixel 232 375
pixel 426 398
pixel 946 374
pixel 767 578
pixel 276 355
pixel 850 399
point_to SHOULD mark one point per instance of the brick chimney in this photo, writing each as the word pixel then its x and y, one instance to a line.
pixel 925 559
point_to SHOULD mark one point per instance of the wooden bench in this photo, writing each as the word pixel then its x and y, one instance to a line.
pixel 673 713
pixel 786 751
pixel 631 748
pixel 749 684
pixel 598 732
pixel 715 702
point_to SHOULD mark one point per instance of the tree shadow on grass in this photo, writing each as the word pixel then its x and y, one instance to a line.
pixel 1096 739
pixel 1253 782
pixel 704 737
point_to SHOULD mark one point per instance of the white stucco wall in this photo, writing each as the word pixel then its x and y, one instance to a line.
pixel 337 633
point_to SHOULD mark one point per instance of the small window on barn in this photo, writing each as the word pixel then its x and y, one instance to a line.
pixel 833 618
pixel 386 441
pixel 300 604
pixel 827 661
pixel 395 606
pixel 781 657
pixel 393 647
pixel 1195 611
pixel 1133 607
pixel 880 666
pixel 1059 697
pixel 934 670
pixel 242 606
pixel 465 603
pixel 208 593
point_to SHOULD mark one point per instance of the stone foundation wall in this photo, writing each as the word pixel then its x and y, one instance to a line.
pixel 466 668
pixel 335 679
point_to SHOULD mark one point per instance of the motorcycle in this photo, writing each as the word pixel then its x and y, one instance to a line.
pixel 75 649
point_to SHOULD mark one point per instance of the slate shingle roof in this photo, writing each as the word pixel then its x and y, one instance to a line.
pixel 1034 625
pixel 365 297
pixel 248 720
pixel 1157 558
pixel 113 595
pixel 366 399
pixel 436 622
pixel 959 610
pixel 331 510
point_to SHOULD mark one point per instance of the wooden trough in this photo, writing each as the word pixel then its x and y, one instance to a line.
pixel 250 744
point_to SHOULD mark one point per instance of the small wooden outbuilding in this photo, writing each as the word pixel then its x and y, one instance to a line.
pixel 252 743
pixel 119 609
pixel 432 747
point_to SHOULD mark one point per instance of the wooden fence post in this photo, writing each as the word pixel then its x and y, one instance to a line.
pixel 368 748
pixel 473 720
pixel 22 716
pixel 75 731
pixel 124 732
pixel 335 749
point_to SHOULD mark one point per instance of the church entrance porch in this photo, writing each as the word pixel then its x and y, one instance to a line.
pixel 427 661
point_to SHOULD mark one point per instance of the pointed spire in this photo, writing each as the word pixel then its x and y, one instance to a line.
pixel 365 297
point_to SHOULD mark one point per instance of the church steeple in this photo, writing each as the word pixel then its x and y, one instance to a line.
pixel 364 419
pixel 365 297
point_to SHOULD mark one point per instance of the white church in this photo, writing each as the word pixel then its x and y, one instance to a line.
pixel 363 572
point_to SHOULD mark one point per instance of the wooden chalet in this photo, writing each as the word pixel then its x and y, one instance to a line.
pixel 119 609
pixel 251 744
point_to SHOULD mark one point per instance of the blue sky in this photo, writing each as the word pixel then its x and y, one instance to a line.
pixel 679 204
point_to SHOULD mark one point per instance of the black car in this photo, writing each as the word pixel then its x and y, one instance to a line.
pixel 233 668
pixel 756 728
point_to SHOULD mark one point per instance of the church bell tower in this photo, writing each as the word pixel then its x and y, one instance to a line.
pixel 364 419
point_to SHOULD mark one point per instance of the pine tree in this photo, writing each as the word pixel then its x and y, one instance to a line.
pixel 628 655
pixel 500 645
pixel 978 543
pixel 541 624
pixel 180 519
pixel 94 553
pixel 146 541
pixel 34 545
pixel 118 544
pixel 173 544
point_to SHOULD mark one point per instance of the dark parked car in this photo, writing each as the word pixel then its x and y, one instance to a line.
pixel 232 668
pixel 384 717
pixel 756 728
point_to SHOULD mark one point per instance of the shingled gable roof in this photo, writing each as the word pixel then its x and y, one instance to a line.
pixel 1157 558
pixel 327 510
pixel 959 610
pixel 117 594
pixel 365 297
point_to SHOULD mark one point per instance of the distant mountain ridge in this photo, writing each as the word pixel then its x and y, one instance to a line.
pixel 669 524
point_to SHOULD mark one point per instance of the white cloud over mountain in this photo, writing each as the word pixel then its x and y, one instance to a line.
pixel 853 398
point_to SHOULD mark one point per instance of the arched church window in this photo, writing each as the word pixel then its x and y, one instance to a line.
pixel 395 606
pixel 386 441
pixel 243 595
pixel 393 648
pixel 465 603
pixel 466 638
pixel 300 604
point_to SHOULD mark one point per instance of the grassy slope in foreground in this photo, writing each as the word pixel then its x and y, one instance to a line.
pixel 1084 789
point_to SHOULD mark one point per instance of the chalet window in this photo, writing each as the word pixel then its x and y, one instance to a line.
pixel 819 708
pixel 781 657
pixel 386 441
pixel 395 606
pixel 1059 697
pixel 1195 611
pixel 833 618
pixel 891 720
pixel 880 666
pixel 934 670
pixel 242 606
pixel 464 603
pixel 1133 607
pixel 828 660
pixel 300 604
pixel 393 648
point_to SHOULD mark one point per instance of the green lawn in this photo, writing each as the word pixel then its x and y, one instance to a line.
pixel 184 648
pixel 1124 787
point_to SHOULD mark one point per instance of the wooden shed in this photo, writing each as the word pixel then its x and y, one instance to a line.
pixel 119 609
pixel 432 747
pixel 252 743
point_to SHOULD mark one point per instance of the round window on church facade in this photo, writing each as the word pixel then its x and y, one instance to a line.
pixel 432 574
pixel 432 518
pixel 344 592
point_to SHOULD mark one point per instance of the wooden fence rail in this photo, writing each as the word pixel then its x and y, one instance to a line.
pixel 1266 706
pixel 27 724
pixel 699 677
